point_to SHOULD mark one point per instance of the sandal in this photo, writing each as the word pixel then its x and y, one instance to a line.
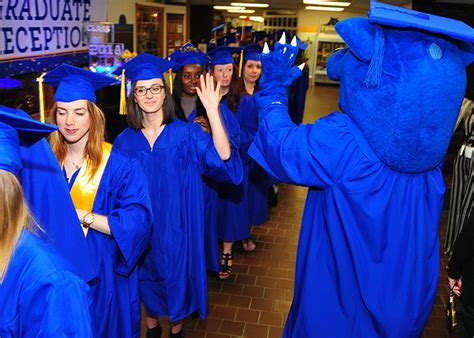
pixel 247 243
pixel 226 269
pixel 154 332
pixel 179 334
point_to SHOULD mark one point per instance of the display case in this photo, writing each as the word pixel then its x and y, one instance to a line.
pixel 149 29
pixel 326 44
pixel 174 32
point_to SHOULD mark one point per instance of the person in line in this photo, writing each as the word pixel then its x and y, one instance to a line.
pixel 110 195
pixel 39 296
pixel 233 215
pixel 190 63
pixel 174 154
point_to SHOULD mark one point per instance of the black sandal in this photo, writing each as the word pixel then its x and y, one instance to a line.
pixel 226 269
pixel 154 332
pixel 179 334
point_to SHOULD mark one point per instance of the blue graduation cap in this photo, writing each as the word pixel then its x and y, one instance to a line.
pixel 76 83
pixel 394 16
pixel 223 55
pixel 244 30
pixel 300 44
pixel 145 66
pixel 252 52
pixel 18 128
pixel 9 83
pixel 226 40
pixel 217 28
pixel 188 54
pixel 258 36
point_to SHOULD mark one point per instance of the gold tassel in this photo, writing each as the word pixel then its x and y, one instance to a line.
pixel 41 97
pixel 241 62
pixel 170 74
pixel 123 95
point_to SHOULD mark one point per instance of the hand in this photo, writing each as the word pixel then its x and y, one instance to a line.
pixel 209 95
pixel 455 285
pixel 203 122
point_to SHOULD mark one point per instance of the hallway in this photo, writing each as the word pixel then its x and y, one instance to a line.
pixel 255 300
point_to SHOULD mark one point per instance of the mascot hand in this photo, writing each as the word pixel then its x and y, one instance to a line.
pixel 278 72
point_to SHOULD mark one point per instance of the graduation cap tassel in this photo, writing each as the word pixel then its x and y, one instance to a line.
pixel 123 95
pixel 241 61
pixel 41 97
pixel 171 78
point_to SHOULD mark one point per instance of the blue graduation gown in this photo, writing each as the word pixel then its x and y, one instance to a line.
pixel 367 262
pixel 123 197
pixel 173 273
pixel 39 297
pixel 232 212
pixel 47 195
pixel 210 187
pixel 297 96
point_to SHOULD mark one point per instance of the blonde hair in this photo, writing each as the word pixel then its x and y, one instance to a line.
pixel 14 216
pixel 93 149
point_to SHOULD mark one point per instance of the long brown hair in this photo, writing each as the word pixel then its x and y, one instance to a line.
pixel 93 149
pixel 236 88
pixel 14 216
pixel 135 113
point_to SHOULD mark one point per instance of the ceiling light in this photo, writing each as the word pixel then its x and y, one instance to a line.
pixel 257 18
pixel 326 3
pixel 322 8
pixel 246 11
pixel 227 7
pixel 245 4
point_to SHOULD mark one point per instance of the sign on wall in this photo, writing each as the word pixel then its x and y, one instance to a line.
pixel 31 28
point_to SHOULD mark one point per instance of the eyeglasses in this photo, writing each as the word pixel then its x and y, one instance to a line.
pixel 142 91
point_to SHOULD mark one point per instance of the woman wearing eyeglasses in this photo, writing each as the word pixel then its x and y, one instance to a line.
pixel 111 199
pixel 174 154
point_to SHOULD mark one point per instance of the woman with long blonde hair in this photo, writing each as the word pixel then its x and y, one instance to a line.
pixel 38 295
pixel 110 195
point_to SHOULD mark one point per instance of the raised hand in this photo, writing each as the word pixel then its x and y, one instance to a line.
pixel 278 72
pixel 209 95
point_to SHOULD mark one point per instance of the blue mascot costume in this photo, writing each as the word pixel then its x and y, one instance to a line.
pixel 367 263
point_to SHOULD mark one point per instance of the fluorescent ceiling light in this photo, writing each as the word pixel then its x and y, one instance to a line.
pixel 257 18
pixel 246 11
pixel 322 8
pixel 227 7
pixel 246 4
pixel 326 3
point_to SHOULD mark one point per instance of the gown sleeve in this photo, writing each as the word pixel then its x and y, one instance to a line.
pixel 206 156
pixel 56 306
pixel 48 197
pixel 312 155
pixel 130 218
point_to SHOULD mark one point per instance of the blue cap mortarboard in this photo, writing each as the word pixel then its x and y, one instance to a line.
pixel 259 36
pixel 226 40
pixel 394 16
pixel 188 54
pixel 217 28
pixel 252 52
pixel 16 128
pixel 76 83
pixel 145 66
pixel 223 55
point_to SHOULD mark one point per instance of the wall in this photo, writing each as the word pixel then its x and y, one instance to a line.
pixel 309 23
pixel 117 7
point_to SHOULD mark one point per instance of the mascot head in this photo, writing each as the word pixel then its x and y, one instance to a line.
pixel 403 80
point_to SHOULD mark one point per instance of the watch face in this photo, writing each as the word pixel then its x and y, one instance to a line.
pixel 89 219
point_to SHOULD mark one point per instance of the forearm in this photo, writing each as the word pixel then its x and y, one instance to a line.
pixel 100 222
pixel 219 135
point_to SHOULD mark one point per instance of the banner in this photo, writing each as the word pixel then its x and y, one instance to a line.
pixel 31 28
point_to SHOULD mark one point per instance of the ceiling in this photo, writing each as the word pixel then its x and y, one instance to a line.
pixel 356 5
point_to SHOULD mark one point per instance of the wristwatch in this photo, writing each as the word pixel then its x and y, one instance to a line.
pixel 87 220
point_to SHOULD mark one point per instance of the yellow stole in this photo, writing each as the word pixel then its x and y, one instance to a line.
pixel 85 188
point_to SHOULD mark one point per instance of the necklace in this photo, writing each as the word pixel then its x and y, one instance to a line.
pixel 78 164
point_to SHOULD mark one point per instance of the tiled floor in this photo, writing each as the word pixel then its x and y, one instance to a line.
pixel 255 301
